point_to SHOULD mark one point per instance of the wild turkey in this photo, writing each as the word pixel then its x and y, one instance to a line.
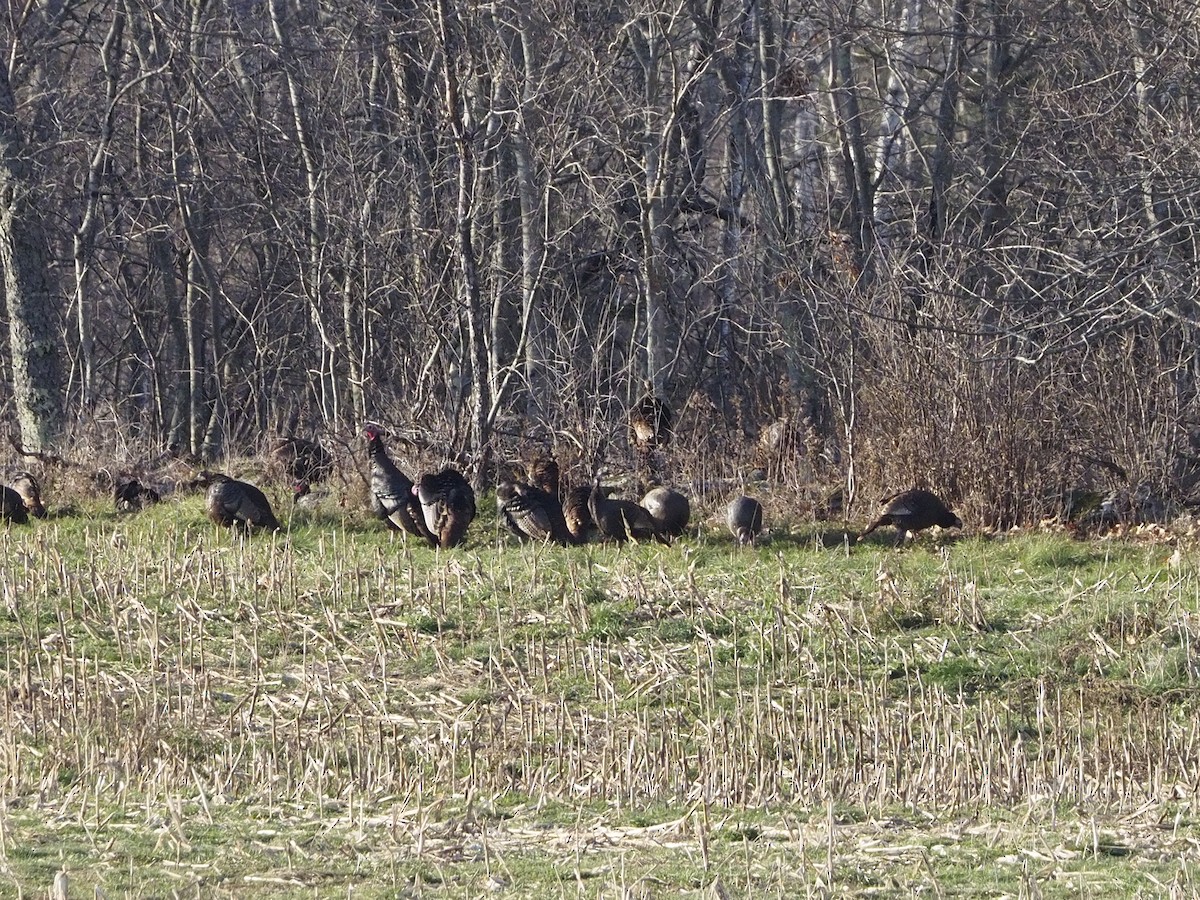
pixel 913 511
pixel 577 515
pixel 302 460
pixel 236 504
pixel 392 497
pixel 745 520
pixel 543 474
pixel 620 520
pixel 650 425
pixel 505 495
pixel 304 497
pixel 31 494
pixel 530 512
pixel 669 509
pixel 12 507
pixel 129 494
pixel 448 506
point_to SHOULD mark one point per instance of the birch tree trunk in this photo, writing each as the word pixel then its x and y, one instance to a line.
pixel 893 145
pixel 940 169
pixel 658 126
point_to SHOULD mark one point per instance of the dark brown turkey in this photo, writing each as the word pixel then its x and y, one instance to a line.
pixel 543 474
pixel 578 517
pixel 913 511
pixel 650 424
pixel 448 506
pixel 392 496
pixel 302 459
pixel 237 504
pixel 27 486
pixel 129 494
pixel 12 507
pixel 670 510
pixel 621 520
pixel 533 513
pixel 745 519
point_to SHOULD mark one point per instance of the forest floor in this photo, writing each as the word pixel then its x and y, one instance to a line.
pixel 331 712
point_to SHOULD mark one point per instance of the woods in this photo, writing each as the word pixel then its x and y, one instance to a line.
pixel 947 243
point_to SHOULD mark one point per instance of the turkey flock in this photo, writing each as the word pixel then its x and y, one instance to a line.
pixel 439 507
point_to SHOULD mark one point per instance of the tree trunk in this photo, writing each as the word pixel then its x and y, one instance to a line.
pixel 310 265
pixel 892 150
pixel 463 125
pixel 85 233
pixel 658 136
pixel 33 328
pixel 737 72
pixel 856 175
pixel 940 169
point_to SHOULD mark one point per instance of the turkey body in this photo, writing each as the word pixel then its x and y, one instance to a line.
pixel 447 505
pixel 577 515
pixel 26 485
pixel 12 507
pixel 130 494
pixel 544 475
pixel 670 510
pixel 913 511
pixel 533 513
pixel 392 497
pixel 745 519
pixel 238 504
pixel 302 459
pixel 620 520
pixel 650 428
pixel 650 424
pixel 304 497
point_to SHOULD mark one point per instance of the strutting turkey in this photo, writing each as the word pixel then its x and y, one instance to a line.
pixel 30 491
pixel 12 507
pixel 237 504
pixel 302 460
pixel 392 495
pixel 530 512
pixel 620 520
pixel 745 520
pixel 448 506
pixel 670 510
pixel 913 511
pixel 129 494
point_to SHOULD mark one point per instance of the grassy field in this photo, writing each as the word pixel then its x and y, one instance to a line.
pixel 332 713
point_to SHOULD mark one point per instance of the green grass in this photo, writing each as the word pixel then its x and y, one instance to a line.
pixel 333 712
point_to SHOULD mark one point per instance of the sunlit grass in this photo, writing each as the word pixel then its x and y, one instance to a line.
pixel 334 709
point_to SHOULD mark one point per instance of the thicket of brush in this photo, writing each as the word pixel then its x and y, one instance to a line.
pixel 331 710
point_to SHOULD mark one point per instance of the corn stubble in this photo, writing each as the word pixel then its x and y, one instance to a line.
pixel 361 687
